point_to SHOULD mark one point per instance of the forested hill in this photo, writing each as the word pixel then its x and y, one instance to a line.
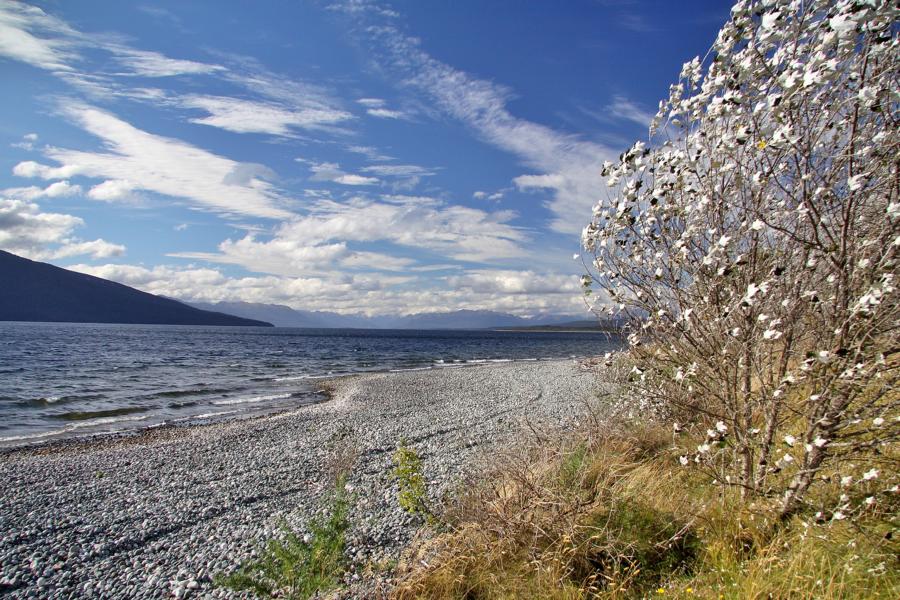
pixel 35 291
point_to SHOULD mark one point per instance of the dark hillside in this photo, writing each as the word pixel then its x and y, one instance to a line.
pixel 35 291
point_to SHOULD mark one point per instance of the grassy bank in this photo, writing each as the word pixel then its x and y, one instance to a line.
pixel 609 512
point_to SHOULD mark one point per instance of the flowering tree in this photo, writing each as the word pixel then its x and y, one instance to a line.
pixel 753 244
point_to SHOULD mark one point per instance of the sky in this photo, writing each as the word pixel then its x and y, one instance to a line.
pixel 344 155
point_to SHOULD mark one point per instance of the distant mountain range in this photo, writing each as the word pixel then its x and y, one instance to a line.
pixel 284 316
pixel 35 291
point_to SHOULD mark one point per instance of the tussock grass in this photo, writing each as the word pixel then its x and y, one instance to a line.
pixel 609 513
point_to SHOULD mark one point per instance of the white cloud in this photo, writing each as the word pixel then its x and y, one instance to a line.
pixel 386 113
pixel 24 227
pixel 144 63
pixel 27 142
pixel 355 180
pixel 30 35
pixel 27 231
pixel 573 163
pixel 96 249
pixel 111 190
pixel 370 153
pixel 158 164
pixel 362 6
pixel 59 189
pixel 495 196
pixel 347 294
pixel 321 241
pixel 623 108
pixel 247 116
pixel 515 282
pixel 29 168
pixel 376 107
pixel 332 172
pixel 371 102
pixel 398 170
pixel 525 182
pixel 377 261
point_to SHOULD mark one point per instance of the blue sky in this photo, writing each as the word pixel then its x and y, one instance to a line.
pixel 339 155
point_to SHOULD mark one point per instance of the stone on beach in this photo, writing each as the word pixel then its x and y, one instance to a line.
pixel 175 506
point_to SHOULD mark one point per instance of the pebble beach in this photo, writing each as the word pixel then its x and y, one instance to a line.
pixel 160 513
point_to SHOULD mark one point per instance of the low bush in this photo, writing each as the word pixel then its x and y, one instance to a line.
pixel 295 566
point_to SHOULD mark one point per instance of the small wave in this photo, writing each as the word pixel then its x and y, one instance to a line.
pixel 482 361
pixel 103 421
pixel 250 400
pixel 99 414
pixel 189 392
pixel 56 400
pixel 410 369
pixel 181 404
pixel 302 377
pixel 69 428
pixel 31 436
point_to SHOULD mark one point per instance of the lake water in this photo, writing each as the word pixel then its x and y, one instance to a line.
pixel 62 380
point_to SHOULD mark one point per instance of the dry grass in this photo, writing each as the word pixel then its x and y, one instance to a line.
pixel 609 513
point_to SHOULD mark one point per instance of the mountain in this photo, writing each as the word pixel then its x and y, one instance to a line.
pixel 460 319
pixel 35 291
pixel 284 316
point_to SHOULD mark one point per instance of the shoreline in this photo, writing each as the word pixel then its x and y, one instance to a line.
pixel 327 385
pixel 164 511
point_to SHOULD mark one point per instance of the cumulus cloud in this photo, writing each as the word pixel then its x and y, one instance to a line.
pixel 515 282
pixel 27 142
pixel 341 293
pixel 331 237
pixel 97 249
pixel 157 164
pixel 30 168
pixel 59 189
pixel 496 196
pixel 27 231
pixel 111 190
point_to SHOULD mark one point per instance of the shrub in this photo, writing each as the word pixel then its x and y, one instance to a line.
pixel 753 245
pixel 295 566
pixel 413 494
